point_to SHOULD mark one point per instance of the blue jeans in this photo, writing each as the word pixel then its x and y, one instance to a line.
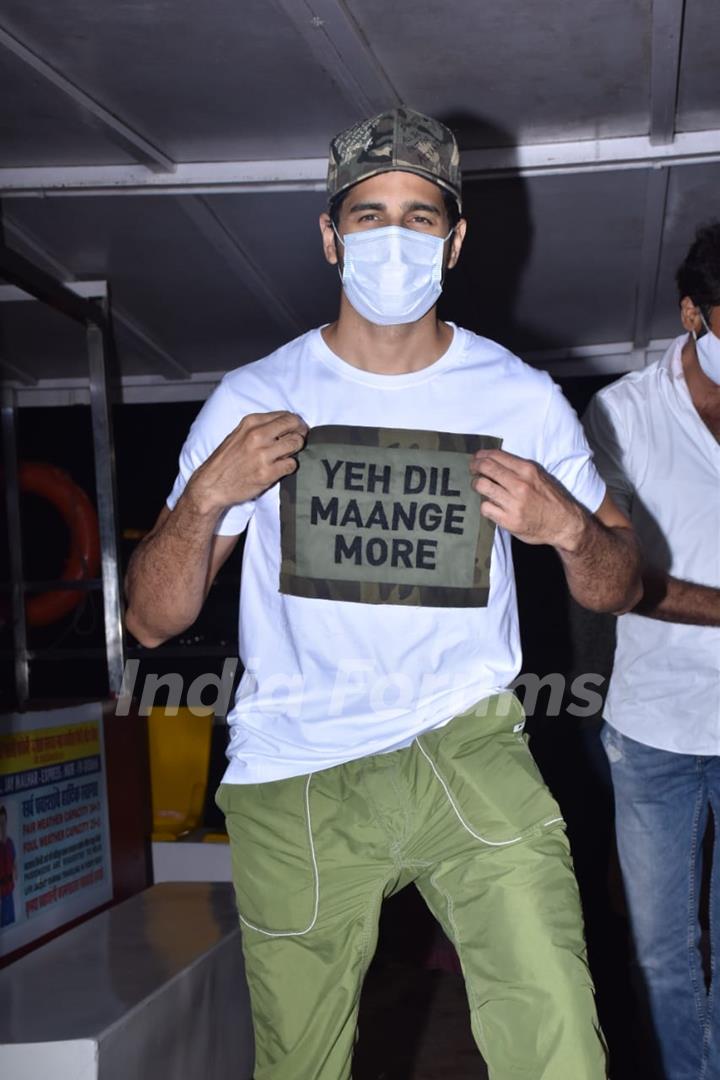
pixel 662 802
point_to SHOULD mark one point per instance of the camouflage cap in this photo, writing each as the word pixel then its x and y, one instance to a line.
pixel 398 139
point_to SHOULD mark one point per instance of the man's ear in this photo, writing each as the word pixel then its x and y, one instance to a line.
pixel 329 240
pixel 456 243
pixel 690 315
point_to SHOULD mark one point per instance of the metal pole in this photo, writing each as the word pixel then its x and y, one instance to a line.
pixel 12 500
pixel 107 504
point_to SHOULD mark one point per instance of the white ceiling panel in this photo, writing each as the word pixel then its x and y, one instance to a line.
pixel 552 261
pixel 282 234
pixel 699 84
pixel 521 71
pixel 162 271
pixel 224 80
pixel 38 124
pixel 693 200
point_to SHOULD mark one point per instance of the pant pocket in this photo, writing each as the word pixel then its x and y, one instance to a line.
pixel 491 779
pixel 274 863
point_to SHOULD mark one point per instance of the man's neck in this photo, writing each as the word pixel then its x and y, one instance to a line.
pixel 387 350
pixel 704 393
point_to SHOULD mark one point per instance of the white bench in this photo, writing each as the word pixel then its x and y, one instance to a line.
pixel 188 860
pixel 151 989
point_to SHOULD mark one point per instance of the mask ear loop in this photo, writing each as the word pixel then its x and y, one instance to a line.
pixel 339 237
pixel 695 335
pixel 445 269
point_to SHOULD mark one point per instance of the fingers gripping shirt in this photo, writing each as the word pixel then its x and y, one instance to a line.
pixel 218 417
pixel 376 601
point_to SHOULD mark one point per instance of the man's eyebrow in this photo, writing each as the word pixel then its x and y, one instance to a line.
pixel 357 207
pixel 415 205
pixel 407 207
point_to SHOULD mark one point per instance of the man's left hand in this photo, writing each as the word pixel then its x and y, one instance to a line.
pixel 520 496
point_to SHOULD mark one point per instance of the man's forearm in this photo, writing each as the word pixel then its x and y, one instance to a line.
pixel 671 599
pixel 167 576
pixel 603 567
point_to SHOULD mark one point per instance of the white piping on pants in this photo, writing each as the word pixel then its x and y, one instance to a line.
pixel 461 819
pixel 316 873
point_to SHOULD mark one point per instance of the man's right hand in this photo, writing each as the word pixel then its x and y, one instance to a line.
pixel 172 569
pixel 252 458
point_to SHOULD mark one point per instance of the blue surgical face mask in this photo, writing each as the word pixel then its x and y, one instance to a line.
pixel 392 275
pixel 708 352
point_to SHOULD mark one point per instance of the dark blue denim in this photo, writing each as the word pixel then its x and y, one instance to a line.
pixel 662 803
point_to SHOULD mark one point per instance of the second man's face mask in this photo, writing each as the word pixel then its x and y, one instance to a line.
pixel 392 275
pixel 708 352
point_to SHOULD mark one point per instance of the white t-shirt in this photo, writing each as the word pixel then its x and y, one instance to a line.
pixel 381 512
pixel 662 467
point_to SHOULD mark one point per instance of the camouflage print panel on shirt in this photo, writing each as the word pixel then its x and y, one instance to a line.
pixel 386 516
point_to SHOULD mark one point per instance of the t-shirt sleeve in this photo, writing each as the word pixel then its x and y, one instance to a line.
pixel 611 449
pixel 566 453
pixel 220 415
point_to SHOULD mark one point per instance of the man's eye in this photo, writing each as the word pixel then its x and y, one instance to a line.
pixel 418 219
pixel 368 217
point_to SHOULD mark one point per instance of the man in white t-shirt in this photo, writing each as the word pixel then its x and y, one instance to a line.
pixel 380 466
pixel 656 437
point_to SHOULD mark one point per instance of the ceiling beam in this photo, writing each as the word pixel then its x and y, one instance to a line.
pixel 341 48
pixel 650 252
pixel 294 174
pixel 667 28
pixel 239 262
pixel 146 341
pixel 10 371
pixel 132 142
pixel 32 246
pixel 611 358
pixel 89 290
pixel 147 344
pixel 19 271
pixel 308 174
pixel 131 389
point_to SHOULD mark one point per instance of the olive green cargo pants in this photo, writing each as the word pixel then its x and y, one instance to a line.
pixel 463 813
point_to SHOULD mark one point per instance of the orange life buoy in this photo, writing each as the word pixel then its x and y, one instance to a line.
pixel 83 560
